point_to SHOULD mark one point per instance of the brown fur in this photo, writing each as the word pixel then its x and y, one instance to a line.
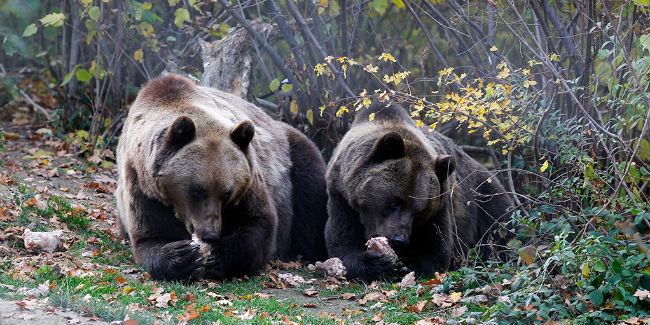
pixel 418 189
pixel 194 159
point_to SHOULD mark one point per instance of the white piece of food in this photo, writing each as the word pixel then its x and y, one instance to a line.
pixel 381 246
pixel 204 248
pixel 331 267
pixel 47 241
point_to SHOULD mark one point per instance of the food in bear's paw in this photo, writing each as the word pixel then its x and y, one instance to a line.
pixel 381 246
pixel 204 248
pixel 332 267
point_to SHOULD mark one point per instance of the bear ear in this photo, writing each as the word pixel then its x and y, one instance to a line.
pixel 181 132
pixel 389 146
pixel 242 134
pixel 445 165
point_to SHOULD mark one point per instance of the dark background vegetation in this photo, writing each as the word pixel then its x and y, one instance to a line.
pixel 562 85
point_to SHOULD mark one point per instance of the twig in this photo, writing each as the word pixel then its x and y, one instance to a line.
pixel 565 38
pixel 309 36
pixel 454 5
pixel 426 34
pixel 37 107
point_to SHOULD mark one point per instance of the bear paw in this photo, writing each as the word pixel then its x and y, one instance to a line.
pixel 377 266
pixel 179 260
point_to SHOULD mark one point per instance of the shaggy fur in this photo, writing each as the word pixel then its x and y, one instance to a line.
pixel 416 188
pixel 195 159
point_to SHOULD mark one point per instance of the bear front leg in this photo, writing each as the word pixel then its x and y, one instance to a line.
pixel 159 240
pixel 345 239
pixel 177 260
pixel 430 248
pixel 250 242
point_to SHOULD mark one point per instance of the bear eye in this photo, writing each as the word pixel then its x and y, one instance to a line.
pixel 395 203
pixel 227 195
pixel 197 192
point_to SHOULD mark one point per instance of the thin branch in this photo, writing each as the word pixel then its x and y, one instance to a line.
pixel 37 107
pixel 426 34
pixel 309 36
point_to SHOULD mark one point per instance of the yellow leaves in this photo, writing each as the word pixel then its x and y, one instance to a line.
pixel 366 102
pixel 397 77
pixel 419 123
pixel 493 48
pixel 584 269
pixel 533 62
pixel 329 59
pixel 294 107
pixel 555 57
pixel 310 116
pixel 529 83
pixel 321 109
pixel 386 57
pixel 544 166
pixel 370 68
pixel 342 111
pixel 445 72
pixel 371 117
pixel 456 296
pixel 319 69
pixel 138 55
pixel 503 74
pixel 363 93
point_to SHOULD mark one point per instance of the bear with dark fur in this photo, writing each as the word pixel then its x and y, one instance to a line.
pixel 388 178
pixel 195 160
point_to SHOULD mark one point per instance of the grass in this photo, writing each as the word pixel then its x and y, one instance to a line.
pixel 117 286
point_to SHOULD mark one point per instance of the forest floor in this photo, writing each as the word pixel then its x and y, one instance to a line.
pixel 44 186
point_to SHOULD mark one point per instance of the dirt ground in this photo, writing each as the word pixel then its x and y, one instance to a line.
pixel 12 313
pixel 50 167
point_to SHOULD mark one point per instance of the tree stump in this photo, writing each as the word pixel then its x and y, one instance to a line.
pixel 227 63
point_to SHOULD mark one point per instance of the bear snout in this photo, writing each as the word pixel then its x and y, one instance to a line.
pixel 398 241
pixel 209 236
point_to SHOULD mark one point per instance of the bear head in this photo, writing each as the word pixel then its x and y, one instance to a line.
pixel 399 185
pixel 202 171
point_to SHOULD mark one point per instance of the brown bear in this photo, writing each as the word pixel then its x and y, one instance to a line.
pixel 389 178
pixel 195 160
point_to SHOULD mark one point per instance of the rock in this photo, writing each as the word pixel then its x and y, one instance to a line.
pixel 47 241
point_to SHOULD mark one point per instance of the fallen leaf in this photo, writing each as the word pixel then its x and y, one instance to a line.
pixel 348 295
pixel 642 294
pixel 441 300
pixel 262 296
pixel 459 311
pixel 311 292
pixel 249 314
pixel 373 296
pixel 475 299
pixel 408 280
pixel 456 296
pixel 417 308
